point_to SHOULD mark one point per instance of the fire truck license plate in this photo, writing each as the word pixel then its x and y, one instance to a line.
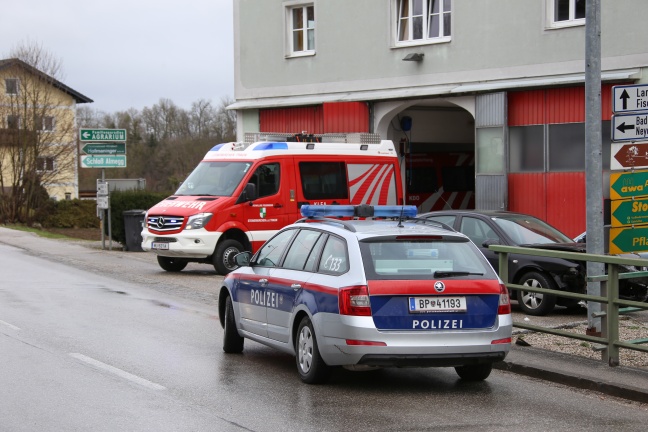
pixel 160 245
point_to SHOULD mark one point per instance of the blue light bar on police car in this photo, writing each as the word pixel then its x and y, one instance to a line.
pixel 363 210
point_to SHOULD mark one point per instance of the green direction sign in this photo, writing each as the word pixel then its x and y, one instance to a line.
pixel 628 239
pixel 629 212
pixel 628 185
pixel 102 135
pixel 90 161
pixel 104 149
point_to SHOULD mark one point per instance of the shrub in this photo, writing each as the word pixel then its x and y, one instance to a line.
pixel 68 214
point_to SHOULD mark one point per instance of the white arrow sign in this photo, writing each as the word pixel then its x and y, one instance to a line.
pixel 630 127
pixel 629 98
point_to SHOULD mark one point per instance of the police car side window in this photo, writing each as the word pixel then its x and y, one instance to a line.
pixel 334 257
pixel 313 256
pixel 270 254
pixel 300 249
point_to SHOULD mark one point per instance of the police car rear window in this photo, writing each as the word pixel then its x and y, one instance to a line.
pixel 420 259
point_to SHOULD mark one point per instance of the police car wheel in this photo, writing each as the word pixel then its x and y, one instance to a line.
pixel 478 372
pixel 536 304
pixel 223 258
pixel 310 365
pixel 171 264
pixel 232 341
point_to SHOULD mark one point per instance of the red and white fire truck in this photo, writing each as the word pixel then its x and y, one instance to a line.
pixel 242 193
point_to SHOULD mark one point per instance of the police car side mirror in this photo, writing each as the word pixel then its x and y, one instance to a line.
pixel 242 259
pixel 248 194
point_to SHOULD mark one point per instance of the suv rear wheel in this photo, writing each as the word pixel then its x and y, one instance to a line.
pixel 532 303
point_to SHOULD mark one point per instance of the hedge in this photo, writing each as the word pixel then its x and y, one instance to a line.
pixel 121 201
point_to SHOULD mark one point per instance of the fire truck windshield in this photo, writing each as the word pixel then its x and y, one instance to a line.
pixel 214 179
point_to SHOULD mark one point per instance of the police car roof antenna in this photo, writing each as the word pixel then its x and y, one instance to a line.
pixel 400 218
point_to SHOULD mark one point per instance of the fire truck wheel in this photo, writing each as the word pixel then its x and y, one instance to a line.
pixel 223 258
pixel 171 264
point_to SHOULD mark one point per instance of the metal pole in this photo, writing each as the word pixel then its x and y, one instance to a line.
pixel 593 157
pixel 103 216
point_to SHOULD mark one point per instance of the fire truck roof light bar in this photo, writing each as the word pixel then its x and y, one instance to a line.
pixel 362 211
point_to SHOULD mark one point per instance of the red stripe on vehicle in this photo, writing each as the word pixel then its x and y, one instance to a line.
pixel 416 287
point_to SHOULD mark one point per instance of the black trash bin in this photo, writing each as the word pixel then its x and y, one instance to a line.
pixel 133 224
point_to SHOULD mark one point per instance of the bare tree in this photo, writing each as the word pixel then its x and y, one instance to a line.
pixel 38 146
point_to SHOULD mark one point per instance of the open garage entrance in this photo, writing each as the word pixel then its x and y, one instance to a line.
pixel 435 139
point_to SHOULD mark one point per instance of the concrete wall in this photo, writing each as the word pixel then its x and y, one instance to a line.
pixel 355 50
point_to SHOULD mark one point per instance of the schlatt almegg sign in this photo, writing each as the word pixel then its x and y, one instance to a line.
pixel 102 135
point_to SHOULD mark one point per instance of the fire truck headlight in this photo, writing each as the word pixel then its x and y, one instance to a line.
pixel 198 221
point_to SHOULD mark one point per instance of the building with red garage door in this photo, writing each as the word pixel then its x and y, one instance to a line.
pixel 484 98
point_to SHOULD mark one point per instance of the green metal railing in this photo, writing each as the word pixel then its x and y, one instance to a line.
pixel 609 340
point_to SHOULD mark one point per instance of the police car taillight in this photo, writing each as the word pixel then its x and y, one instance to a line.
pixel 361 211
pixel 504 301
pixel 354 301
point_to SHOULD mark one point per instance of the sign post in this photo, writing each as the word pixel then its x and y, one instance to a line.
pixel 103 148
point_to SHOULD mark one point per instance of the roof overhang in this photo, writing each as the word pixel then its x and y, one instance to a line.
pixel 433 90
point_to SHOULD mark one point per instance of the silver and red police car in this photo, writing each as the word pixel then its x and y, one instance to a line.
pixel 388 290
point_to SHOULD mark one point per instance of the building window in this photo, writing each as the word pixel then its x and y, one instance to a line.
pixel 526 149
pixel 11 86
pixel 45 123
pixel 45 163
pixel 301 30
pixel 13 122
pixel 423 21
pixel 68 196
pixel 557 147
pixel 566 13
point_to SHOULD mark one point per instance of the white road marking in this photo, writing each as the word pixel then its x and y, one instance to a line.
pixel 11 326
pixel 118 372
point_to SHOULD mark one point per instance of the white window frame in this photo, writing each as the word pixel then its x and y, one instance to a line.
pixel 17 81
pixel 306 28
pixel 571 22
pixel 397 21
pixel 46 159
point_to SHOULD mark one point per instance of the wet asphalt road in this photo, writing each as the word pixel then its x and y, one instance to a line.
pixel 99 340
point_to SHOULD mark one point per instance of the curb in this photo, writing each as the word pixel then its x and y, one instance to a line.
pixel 623 391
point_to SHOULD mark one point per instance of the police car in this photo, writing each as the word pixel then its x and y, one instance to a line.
pixel 388 290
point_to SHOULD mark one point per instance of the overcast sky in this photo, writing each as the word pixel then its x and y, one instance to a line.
pixel 130 53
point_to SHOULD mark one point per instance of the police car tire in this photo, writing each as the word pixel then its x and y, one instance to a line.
pixel 171 264
pixel 547 301
pixel 225 251
pixel 310 365
pixel 232 341
pixel 478 372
